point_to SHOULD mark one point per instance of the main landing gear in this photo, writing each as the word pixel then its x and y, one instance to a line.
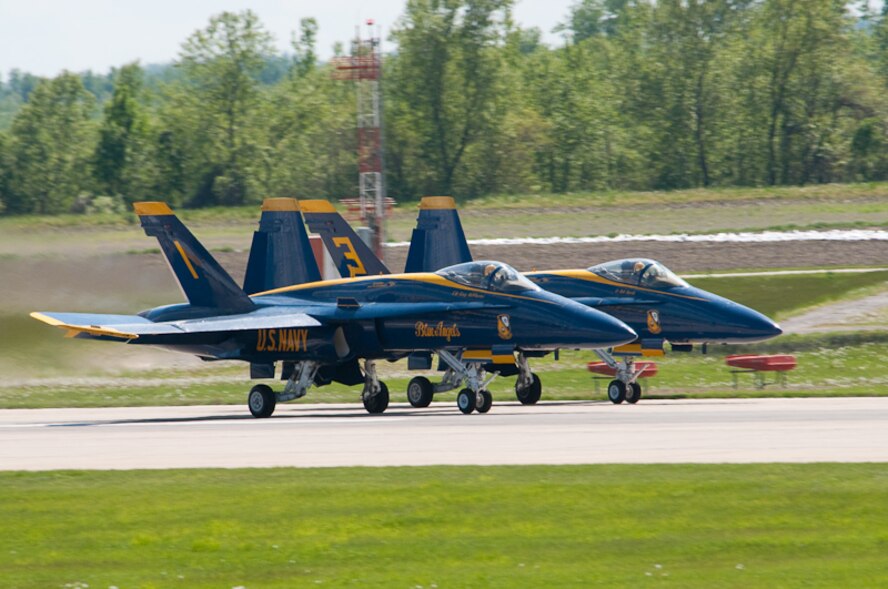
pixel 375 394
pixel 528 387
pixel 474 397
pixel 625 386
pixel 262 400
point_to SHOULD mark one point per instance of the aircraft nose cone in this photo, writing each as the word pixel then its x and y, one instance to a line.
pixel 757 326
pixel 603 331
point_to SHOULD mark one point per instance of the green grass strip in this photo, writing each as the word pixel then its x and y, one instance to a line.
pixel 816 525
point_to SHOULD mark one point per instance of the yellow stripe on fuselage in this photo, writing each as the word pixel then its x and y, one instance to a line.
pixel 638 349
pixel 592 277
pixel 488 355
pixel 421 277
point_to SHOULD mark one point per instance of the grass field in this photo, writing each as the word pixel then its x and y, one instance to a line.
pixel 782 295
pixel 543 215
pixel 818 525
pixel 849 365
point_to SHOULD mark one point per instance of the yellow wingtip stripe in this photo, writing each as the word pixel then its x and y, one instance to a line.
pixel 286 205
pixel 436 203
pixel 46 319
pixel 317 206
pixel 73 330
pixel 152 208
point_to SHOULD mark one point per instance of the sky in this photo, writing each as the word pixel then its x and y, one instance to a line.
pixel 44 37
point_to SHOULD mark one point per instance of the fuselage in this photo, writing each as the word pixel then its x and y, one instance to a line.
pixel 388 316
pixel 677 313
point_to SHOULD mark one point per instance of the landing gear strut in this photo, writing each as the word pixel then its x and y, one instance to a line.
pixel 262 400
pixel 375 394
pixel 528 387
pixel 625 386
pixel 475 397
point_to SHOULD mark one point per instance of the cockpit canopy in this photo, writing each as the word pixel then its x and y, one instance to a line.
pixel 486 275
pixel 638 272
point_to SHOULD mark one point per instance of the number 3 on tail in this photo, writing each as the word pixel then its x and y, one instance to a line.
pixel 356 269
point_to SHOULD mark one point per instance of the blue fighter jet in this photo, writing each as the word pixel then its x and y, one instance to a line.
pixel 657 304
pixel 318 331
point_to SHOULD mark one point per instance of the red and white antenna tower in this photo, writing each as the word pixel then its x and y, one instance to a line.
pixel 364 67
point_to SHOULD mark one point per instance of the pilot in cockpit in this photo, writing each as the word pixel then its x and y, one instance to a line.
pixel 495 276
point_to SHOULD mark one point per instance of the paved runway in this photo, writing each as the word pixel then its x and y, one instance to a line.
pixel 654 431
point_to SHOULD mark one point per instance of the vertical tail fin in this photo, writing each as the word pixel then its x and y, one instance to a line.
pixel 281 254
pixel 350 254
pixel 203 281
pixel 438 240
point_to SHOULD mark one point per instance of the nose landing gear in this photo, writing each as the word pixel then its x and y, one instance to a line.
pixel 625 386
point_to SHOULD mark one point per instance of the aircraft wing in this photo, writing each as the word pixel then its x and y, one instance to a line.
pixel 129 327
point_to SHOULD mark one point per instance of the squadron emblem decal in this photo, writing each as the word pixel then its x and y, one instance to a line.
pixel 653 321
pixel 504 326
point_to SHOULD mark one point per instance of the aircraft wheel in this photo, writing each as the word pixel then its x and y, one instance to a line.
pixel 465 400
pixel 377 403
pixel 483 401
pixel 616 391
pixel 261 401
pixel 420 392
pixel 633 393
pixel 531 394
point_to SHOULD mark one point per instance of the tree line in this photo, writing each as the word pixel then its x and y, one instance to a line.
pixel 641 95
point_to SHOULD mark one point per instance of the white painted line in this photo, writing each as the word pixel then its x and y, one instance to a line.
pixel 787 272
pixel 742 237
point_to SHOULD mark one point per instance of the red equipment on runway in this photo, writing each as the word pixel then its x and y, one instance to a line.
pixel 779 363
pixel 647 369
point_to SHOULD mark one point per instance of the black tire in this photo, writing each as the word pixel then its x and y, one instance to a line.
pixel 530 394
pixel 465 400
pixel 420 392
pixel 261 401
pixel 483 401
pixel 616 391
pixel 633 393
pixel 377 403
